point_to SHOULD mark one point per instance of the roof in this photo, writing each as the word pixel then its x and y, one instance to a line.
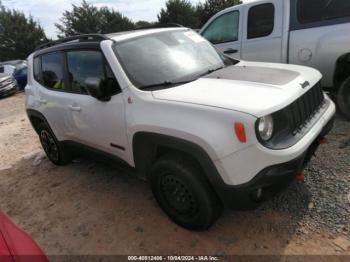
pixel 142 32
pixel 114 36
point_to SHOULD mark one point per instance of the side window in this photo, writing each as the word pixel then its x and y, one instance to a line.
pixel 52 71
pixel 223 29
pixel 89 63
pixel 261 20
pixel 320 10
pixel 37 69
pixel 2 69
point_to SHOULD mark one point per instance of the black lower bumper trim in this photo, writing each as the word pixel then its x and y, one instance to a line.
pixel 269 181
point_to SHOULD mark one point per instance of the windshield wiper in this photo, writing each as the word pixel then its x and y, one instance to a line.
pixel 209 71
pixel 165 84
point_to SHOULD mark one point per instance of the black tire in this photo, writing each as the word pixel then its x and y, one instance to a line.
pixel 343 98
pixel 184 193
pixel 53 148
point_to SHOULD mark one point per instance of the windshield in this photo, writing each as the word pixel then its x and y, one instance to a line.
pixel 168 57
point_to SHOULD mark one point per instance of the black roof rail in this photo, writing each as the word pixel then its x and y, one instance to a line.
pixel 159 26
pixel 85 37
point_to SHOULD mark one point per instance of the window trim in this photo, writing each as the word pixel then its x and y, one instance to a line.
pixel 274 20
pixel 239 25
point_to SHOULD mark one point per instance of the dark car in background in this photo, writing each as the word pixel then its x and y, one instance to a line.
pixel 20 74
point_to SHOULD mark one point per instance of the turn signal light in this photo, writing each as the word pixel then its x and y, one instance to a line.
pixel 240 132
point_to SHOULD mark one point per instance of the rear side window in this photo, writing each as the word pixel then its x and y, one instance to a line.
pixel 2 69
pixel 261 20
pixel 52 71
pixel 319 10
pixel 223 29
pixel 83 64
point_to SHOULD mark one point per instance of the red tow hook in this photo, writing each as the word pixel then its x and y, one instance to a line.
pixel 323 141
pixel 300 177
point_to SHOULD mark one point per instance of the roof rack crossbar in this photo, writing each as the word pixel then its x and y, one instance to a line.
pixel 85 37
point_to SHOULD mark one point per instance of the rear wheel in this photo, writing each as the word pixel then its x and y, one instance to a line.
pixel 183 192
pixel 53 149
pixel 343 98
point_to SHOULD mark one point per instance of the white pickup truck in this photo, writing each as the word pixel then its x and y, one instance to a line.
pixel 313 33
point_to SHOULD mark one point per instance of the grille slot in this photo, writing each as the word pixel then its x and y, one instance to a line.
pixel 304 108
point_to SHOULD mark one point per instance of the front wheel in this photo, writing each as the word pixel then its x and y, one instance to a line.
pixel 343 98
pixel 183 192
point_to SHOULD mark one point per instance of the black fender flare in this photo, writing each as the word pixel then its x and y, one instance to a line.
pixel 145 147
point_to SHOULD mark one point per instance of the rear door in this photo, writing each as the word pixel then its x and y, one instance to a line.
pixel 53 92
pixel 263 28
pixel 224 31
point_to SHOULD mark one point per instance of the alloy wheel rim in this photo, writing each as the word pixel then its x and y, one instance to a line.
pixel 49 145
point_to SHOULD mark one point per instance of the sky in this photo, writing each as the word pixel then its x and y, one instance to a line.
pixel 48 12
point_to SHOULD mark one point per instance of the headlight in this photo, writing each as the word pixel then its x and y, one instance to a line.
pixel 265 127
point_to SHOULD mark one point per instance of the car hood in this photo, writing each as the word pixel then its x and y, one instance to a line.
pixel 250 87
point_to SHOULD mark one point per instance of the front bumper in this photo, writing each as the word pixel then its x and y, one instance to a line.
pixel 270 180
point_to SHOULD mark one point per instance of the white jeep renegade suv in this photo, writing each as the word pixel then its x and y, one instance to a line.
pixel 206 130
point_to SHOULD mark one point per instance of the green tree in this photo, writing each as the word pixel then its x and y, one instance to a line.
pixel 140 24
pixel 180 12
pixel 86 18
pixel 210 7
pixel 20 34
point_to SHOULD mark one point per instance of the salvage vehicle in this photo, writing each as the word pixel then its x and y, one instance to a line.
pixel 17 245
pixel 312 33
pixel 8 85
pixel 206 130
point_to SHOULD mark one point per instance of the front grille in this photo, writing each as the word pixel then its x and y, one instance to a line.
pixel 301 111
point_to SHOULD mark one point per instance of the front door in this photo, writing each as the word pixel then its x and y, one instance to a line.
pixel 97 124
pixel 224 31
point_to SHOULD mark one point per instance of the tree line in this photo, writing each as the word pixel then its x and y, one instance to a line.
pixel 19 34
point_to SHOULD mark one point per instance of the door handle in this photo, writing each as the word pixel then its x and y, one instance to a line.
pixel 42 101
pixel 230 51
pixel 75 108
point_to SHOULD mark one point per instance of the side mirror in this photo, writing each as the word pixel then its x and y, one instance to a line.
pixel 96 88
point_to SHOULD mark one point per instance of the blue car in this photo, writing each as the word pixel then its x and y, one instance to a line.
pixel 20 74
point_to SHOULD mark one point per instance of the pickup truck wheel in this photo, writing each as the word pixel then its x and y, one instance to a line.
pixel 183 192
pixel 343 98
pixel 53 149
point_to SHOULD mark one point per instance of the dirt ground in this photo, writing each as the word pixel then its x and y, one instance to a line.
pixel 92 208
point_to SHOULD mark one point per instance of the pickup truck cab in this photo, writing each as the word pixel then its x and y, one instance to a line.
pixel 312 33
